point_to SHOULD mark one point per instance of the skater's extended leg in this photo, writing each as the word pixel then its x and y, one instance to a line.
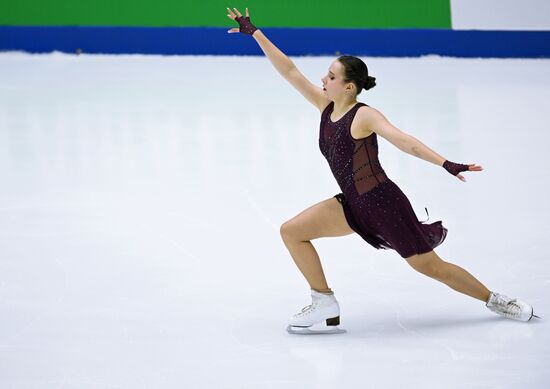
pixel 452 275
pixel 324 219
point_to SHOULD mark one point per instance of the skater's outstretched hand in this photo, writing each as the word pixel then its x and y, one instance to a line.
pixel 245 26
pixel 456 168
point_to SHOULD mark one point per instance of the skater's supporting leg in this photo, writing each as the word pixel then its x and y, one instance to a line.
pixel 453 276
pixel 324 219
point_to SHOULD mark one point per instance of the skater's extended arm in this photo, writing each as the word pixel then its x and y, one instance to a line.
pixel 283 64
pixel 371 119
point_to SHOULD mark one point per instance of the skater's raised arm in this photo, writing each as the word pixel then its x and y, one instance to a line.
pixel 373 120
pixel 280 61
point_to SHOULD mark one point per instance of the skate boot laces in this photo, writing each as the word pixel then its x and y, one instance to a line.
pixel 308 309
pixel 510 308
pixel 315 302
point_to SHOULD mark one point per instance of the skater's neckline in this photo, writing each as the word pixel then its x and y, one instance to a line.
pixel 343 116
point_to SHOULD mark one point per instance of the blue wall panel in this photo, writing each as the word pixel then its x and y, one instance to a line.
pixel 292 41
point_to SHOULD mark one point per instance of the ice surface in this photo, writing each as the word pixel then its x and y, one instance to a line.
pixel 139 225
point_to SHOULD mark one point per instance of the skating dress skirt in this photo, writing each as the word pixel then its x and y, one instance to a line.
pixel 374 206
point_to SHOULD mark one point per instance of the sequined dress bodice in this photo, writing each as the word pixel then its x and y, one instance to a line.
pixel 354 162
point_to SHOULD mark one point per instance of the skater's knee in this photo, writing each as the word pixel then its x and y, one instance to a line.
pixel 285 230
pixel 289 231
pixel 428 264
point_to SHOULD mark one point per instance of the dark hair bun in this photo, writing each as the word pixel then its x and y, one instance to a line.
pixel 369 83
pixel 356 71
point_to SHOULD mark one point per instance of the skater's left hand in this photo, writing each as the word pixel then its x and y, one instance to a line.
pixel 245 26
pixel 456 168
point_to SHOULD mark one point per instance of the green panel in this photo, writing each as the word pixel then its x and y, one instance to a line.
pixel 281 13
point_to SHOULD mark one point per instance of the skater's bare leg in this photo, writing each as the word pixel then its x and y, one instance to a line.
pixel 453 276
pixel 324 219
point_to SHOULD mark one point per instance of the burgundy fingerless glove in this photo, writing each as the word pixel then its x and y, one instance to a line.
pixel 455 168
pixel 245 26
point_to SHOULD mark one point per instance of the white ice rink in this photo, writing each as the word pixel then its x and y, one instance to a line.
pixel 141 199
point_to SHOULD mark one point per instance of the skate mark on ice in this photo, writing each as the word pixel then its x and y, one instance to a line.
pixel 177 245
pixel 259 211
pixel 418 334
pixel 39 316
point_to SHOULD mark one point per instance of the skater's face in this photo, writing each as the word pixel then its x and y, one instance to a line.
pixel 334 86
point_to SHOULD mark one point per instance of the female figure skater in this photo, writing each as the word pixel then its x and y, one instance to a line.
pixel 370 203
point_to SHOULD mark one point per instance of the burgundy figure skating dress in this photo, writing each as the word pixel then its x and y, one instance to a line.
pixel 374 205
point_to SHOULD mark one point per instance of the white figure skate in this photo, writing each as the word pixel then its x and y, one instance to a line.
pixel 510 308
pixel 322 316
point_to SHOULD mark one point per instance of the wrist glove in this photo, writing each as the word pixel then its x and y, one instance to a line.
pixel 245 26
pixel 455 168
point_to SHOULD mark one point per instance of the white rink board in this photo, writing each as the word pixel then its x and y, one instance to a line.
pixel 500 14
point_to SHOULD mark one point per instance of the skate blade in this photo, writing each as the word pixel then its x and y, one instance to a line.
pixel 313 330
pixel 533 315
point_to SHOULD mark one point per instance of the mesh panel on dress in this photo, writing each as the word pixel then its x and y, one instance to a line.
pixel 367 171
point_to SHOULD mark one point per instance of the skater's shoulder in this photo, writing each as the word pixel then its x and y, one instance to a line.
pixel 371 120
pixel 367 110
pixel 367 114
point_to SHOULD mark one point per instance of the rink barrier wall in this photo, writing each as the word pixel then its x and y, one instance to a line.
pixel 292 41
